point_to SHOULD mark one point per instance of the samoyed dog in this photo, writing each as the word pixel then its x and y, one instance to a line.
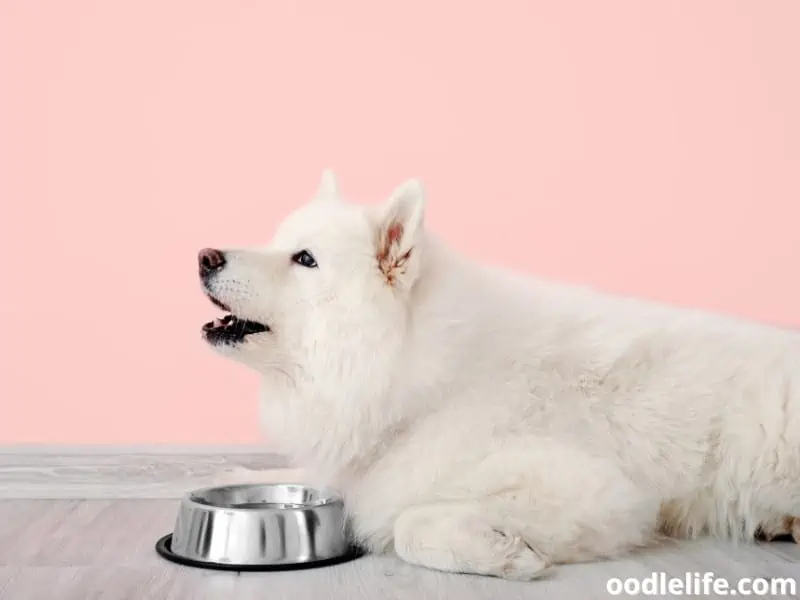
pixel 478 421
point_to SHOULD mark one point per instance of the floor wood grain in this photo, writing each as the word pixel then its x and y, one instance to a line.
pixel 103 549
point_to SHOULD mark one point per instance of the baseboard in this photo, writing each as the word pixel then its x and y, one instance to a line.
pixel 132 472
pixel 149 449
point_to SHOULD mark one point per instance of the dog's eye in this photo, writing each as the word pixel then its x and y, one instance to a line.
pixel 304 259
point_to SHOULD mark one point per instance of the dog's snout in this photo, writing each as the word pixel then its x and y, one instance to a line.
pixel 209 261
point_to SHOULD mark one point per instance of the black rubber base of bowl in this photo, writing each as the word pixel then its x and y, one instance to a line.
pixel 164 549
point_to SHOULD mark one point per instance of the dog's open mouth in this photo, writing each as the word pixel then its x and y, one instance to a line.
pixel 230 329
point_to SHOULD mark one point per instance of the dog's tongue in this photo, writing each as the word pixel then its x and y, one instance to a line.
pixel 224 321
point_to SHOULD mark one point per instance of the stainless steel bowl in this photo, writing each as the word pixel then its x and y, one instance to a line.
pixel 259 527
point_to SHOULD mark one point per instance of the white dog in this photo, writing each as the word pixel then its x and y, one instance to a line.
pixel 481 422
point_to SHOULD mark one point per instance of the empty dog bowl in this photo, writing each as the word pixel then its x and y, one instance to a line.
pixel 259 527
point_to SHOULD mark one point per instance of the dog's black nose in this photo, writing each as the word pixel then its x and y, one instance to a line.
pixel 210 260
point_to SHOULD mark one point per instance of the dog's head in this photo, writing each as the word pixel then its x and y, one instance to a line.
pixel 329 293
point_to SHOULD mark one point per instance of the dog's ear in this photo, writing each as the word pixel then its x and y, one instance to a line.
pixel 401 220
pixel 328 189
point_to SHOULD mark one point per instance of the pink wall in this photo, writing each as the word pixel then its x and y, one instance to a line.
pixel 650 148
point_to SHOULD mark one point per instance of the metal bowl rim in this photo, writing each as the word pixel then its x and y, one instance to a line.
pixel 330 497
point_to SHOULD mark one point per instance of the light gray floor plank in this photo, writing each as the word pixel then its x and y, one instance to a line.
pixel 103 549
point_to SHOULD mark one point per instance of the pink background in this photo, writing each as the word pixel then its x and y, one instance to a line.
pixel 648 148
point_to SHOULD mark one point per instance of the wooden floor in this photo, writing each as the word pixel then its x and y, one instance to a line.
pixel 103 549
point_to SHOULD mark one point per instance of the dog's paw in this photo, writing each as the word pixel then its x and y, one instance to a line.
pixel 524 563
pixel 458 541
pixel 783 526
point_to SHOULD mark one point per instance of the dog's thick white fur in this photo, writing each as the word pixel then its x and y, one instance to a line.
pixel 484 422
